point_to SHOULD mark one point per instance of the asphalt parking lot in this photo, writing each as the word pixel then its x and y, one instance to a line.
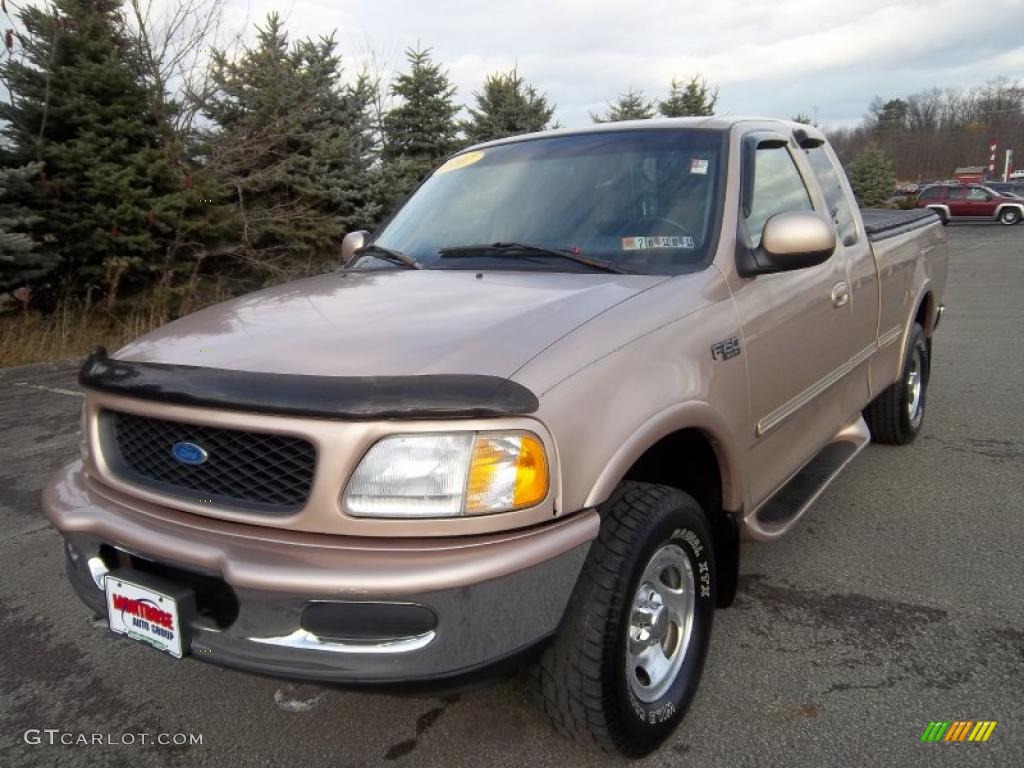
pixel 898 600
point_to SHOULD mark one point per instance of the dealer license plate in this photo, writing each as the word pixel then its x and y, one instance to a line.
pixel 144 614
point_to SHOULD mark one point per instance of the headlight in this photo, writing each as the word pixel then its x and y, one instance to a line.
pixel 449 475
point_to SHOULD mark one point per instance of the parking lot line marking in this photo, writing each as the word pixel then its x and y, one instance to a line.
pixel 55 390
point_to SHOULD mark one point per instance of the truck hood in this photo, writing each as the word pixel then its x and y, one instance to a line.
pixel 390 323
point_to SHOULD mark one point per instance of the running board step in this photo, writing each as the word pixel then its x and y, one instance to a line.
pixel 783 509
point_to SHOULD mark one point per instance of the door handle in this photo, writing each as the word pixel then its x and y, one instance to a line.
pixel 840 295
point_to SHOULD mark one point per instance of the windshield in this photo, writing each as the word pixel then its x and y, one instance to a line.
pixel 644 201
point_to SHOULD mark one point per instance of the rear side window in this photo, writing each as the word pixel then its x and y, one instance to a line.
pixel 932 193
pixel 777 188
pixel 958 193
pixel 835 195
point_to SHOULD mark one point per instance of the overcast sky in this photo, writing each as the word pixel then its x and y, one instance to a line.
pixel 774 58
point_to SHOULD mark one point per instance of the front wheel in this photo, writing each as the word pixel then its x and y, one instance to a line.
pixel 1010 216
pixel 630 651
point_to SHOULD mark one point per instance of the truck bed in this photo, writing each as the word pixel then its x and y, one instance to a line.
pixel 882 223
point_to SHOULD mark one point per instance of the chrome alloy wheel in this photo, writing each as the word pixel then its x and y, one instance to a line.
pixel 915 387
pixel 660 623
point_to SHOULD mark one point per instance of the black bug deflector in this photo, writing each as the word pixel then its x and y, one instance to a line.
pixel 337 397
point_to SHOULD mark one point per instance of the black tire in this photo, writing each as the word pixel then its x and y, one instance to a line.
pixel 1010 216
pixel 889 415
pixel 580 680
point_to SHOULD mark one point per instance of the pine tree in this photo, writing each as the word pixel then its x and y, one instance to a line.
pixel 871 176
pixel 632 105
pixel 693 98
pixel 79 107
pixel 421 129
pixel 890 116
pixel 506 106
pixel 21 259
pixel 292 149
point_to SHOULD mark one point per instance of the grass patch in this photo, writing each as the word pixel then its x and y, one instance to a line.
pixel 71 331
pixel 78 326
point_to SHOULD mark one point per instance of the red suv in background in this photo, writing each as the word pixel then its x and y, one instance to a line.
pixel 972 202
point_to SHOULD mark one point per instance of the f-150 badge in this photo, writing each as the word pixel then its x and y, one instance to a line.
pixel 725 349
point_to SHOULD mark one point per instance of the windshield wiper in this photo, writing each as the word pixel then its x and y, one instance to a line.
pixel 390 254
pixel 512 248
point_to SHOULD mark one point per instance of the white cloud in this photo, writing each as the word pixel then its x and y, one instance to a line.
pixel 773 58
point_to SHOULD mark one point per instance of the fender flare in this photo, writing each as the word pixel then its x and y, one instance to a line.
pixel 697 415
pixel 1018 206
pixel 942 209
pixel 922 294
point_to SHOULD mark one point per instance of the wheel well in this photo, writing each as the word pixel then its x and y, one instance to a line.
pixel 686 460
pixel 925 312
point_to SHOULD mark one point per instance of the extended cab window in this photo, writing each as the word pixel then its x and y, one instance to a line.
pixel 778 187
pixel 835 195
pixel 647 201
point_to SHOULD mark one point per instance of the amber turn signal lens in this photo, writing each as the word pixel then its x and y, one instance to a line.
pixel 508 471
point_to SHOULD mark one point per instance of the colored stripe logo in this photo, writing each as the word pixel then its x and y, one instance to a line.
pixel 958 730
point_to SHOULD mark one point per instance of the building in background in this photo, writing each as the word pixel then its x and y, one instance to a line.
pixel 970 174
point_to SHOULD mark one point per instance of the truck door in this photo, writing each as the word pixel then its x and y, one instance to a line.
pixel 796 328
pixel 854 252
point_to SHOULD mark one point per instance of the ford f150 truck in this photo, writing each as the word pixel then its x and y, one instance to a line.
pixel 530 419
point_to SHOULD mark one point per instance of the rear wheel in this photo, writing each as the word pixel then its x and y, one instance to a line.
pixel 896 415
pixel 630 650
pixel 1010 216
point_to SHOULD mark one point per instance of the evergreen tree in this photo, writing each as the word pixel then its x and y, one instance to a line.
pixel 632 105
pixel 802 117
pixel 292 150
pixel 872 177
pixel 506 106
pixel 79 108
pixel 692 98
pixel 890 116
pixel 21 260
pixel 421 129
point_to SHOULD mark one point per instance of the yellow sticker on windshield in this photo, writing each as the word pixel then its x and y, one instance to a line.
pixel 461 161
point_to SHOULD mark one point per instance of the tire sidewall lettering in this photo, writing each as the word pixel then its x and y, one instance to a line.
pixel 663 710
pixel 652 714
pixel 702 574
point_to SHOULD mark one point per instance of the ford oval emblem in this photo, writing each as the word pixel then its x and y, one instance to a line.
pixel 189 453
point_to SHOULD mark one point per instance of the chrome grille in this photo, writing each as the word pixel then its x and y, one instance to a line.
pixel 253 470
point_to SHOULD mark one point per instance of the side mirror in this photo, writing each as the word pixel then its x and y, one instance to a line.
pixel 791 240
pixel 351 243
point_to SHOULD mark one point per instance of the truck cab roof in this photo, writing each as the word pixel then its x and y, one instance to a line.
pixel 714 123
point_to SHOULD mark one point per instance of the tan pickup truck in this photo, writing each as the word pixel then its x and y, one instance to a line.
pixel 527 424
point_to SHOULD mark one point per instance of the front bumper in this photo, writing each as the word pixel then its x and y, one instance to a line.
pixel 491 595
